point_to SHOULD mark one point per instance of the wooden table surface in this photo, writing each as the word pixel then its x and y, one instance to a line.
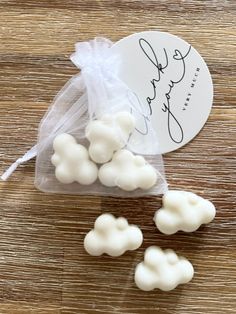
pixel 43 266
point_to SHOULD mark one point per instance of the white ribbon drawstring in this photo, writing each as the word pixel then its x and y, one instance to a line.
pixel 31 153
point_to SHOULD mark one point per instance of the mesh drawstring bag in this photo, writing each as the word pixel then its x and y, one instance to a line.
pixel 89 96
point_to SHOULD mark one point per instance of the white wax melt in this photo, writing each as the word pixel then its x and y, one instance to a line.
pixel 162 269
pixel 72 161
pixel 112 236
pixel 184 211
pixel 108 134
pixel 128 172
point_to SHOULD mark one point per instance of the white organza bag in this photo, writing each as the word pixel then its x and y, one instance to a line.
pixel 89 96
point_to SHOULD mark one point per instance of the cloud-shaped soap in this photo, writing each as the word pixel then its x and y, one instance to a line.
pixel 184 211
pixel 72 161
pixel 112 236
pixel 108 134
pixel 162 269
pixel 128 172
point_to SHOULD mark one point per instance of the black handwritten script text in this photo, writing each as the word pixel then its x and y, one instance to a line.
pixel 179 57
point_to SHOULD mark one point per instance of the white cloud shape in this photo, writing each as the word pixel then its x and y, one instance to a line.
pixel 112 236
pixel 108 134
pixel 72 161
pixel 184 211
pixel 128 172
pixel 162 269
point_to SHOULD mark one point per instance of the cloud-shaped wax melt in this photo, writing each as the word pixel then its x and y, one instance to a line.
pixel 128 172
pixel 72 161
pixel 112 236
pixel 184 211
pixel 108 134
pixel 162 269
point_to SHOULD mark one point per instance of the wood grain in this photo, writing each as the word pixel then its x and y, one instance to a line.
pixel 43 267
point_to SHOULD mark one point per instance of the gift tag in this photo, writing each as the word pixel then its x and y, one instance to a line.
pixel 172 81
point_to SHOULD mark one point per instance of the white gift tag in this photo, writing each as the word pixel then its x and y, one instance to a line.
pixel 172 81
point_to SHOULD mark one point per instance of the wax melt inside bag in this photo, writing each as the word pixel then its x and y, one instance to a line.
pixel 89 96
